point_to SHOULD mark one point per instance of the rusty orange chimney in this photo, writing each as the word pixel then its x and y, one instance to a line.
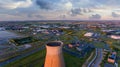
pixel 54 56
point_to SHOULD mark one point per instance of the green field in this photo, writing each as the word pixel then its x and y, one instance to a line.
pixel 37 60
pixel 34 60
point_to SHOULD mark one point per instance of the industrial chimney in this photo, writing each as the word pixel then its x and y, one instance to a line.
pixel 54 56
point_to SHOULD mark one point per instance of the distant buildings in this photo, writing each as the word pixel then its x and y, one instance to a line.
pixel 88 34
pixel 64 27
pixel 79 46
pixel 71 45
pixel 115 36
pixel 44 26
pixel 107 30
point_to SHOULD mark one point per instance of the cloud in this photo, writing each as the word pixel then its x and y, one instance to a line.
pixel 75 12
pixel 115 15
pixel 62 16
pixel 54 4
pixel 106 2
pixel 44 4
pixel 39 16
pixel 11 4
pixel 86 10
pixel 96 16
pixel 68 5
pixel 35 16
pixel 68 9
pixel 79 11
pixel 95 3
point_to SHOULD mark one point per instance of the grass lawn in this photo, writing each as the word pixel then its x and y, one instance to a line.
pixel 118 54
pixel 72 61
pixel 119 63
pixel 92 56
pixel 116 46
pixel 98 44
pixel 34 60
pixel 37 60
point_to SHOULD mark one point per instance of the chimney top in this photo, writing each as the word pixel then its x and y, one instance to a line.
pixel 54 43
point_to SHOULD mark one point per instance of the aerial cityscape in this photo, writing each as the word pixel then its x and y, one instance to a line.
pixel 59 33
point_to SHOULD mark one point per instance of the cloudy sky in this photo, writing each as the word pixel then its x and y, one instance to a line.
pixel 59 10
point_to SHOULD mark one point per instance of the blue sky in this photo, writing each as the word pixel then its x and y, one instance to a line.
pixel 59 10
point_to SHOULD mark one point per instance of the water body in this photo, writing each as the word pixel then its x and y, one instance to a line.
pixel 5 36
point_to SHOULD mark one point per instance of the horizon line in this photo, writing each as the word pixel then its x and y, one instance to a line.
pixel 51 20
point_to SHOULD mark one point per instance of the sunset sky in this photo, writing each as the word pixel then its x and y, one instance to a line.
pixel 59 10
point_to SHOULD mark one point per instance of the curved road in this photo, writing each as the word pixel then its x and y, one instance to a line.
pixel 97 59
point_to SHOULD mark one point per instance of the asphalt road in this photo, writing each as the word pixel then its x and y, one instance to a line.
pixel 98 58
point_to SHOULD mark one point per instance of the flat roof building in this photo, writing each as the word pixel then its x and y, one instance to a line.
pixel 112 58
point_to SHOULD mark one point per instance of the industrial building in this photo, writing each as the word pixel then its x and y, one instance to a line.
pixel 54 56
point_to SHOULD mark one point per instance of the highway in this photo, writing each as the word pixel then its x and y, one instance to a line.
pixel 2 64
pixel 97 59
